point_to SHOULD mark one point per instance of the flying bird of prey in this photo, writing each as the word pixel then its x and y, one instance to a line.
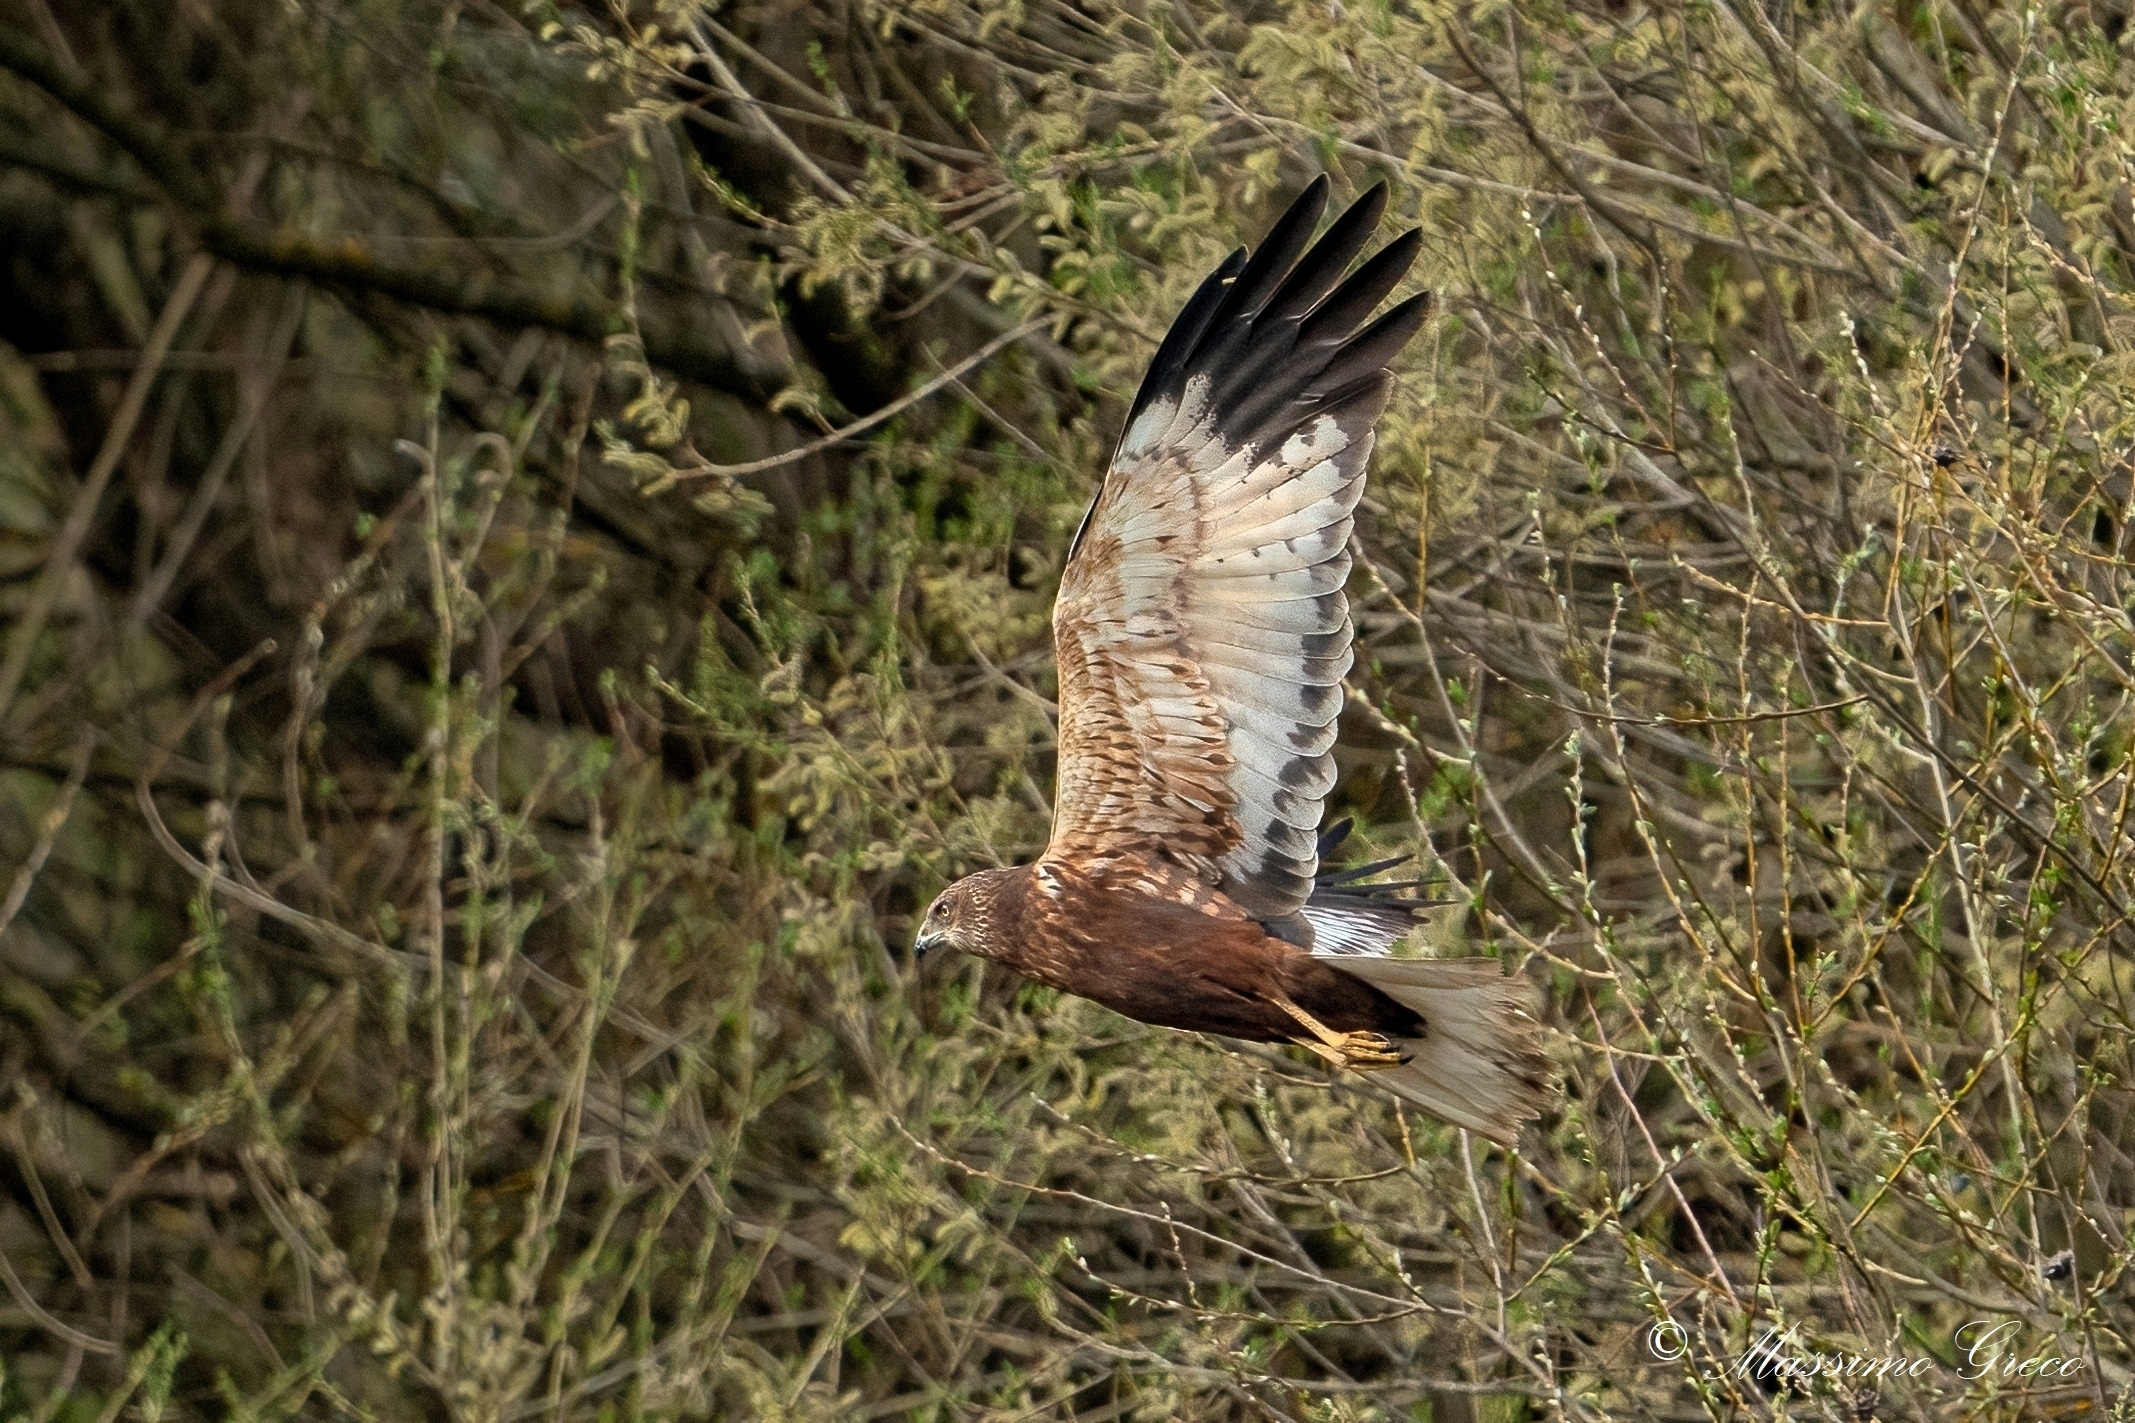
pixel 1202 634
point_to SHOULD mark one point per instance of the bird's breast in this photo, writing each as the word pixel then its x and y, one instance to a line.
pixel 1153 943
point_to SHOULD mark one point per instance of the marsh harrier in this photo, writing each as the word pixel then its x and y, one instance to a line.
pixel 1202 634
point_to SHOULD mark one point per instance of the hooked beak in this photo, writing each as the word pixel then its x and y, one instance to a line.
pixel 924 942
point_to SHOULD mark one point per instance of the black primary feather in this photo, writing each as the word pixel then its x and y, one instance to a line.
pixel 1276 333
pixel 1344 915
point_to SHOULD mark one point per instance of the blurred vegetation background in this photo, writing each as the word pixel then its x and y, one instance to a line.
pixel 526 539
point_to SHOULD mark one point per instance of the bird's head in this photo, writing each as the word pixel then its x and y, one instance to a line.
pixel 965 915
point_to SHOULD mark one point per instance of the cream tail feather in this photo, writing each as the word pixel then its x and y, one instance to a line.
pixel 1480 1064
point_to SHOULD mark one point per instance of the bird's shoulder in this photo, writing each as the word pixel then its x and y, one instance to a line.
pixel 1130 881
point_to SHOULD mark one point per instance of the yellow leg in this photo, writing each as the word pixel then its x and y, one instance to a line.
pixel 1359 1052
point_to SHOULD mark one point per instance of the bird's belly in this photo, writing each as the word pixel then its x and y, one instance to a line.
pixel 1193 973
pixel 1171 996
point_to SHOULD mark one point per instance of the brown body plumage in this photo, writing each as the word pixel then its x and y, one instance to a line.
pixel 1147 940
pixel 1202 634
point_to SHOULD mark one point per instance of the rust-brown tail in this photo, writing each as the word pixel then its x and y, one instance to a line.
pixel 1479 1065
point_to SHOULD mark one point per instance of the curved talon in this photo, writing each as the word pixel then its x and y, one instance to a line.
pixel 1359 1052
pixel 1370 1052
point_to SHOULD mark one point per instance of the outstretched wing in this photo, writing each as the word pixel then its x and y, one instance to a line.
pixel 1202 631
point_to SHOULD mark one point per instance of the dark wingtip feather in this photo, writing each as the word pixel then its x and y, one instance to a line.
pixel 1344 888
pixel 1316 273
pixel 1355 300
pixel 1278 252
pixel 1332 837
pixel 1276 330
pixel 1168 367
pixel 1368 352
pixel 1336 878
